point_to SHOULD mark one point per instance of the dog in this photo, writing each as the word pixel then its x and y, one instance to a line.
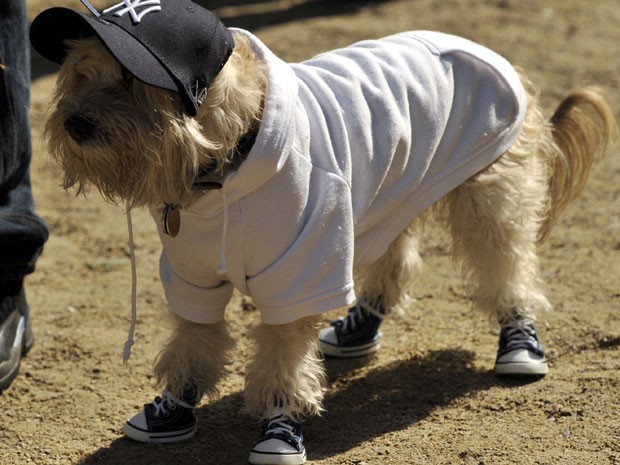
pixel 301 185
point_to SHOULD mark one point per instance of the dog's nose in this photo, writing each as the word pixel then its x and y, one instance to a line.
pixel 79 127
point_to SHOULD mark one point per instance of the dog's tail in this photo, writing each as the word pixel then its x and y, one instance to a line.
pixel 583 126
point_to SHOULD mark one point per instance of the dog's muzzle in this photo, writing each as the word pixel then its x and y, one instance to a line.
pixel 79 128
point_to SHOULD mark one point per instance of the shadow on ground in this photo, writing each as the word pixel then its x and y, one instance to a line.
pixel 262 17
pixel 386 399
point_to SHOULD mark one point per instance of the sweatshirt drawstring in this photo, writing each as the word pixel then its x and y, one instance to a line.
pixel 223 267
pixel 132 256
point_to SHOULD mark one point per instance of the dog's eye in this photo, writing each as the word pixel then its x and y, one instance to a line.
pixel 80 79
pixel 127 76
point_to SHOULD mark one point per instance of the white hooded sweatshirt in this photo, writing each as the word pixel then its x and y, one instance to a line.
pixel 353 144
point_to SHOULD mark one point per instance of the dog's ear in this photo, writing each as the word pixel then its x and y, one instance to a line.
pixel 234 101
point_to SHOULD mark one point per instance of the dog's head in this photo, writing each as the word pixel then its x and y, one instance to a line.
pixel 141 109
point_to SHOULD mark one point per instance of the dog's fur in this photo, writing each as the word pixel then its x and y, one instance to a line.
pixel 496 218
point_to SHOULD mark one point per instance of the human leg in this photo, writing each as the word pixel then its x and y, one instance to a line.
pixel 22 232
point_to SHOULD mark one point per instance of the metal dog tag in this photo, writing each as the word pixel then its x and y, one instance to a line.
pixel 171 220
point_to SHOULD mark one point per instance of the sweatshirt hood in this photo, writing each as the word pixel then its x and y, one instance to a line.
pixel 274 139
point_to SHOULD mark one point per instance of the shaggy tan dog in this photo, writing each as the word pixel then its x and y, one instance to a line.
pixel 137 144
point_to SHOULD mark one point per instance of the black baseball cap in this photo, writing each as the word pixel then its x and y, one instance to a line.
pixel 172 44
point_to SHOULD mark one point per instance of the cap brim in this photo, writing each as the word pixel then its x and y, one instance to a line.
pixel 50 30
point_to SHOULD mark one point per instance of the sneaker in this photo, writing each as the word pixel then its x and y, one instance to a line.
pixel 520 352
pixel 355 335
pixel 281 443
pixel 166 419
pixel 16 337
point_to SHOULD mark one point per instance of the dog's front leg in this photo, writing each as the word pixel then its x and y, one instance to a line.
pixel 189 366
pixel 286 373
pixel 284 383
pixel 195 356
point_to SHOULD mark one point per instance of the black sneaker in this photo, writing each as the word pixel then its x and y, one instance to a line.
pixel 166 419
pixel 281 443
pixel 16 336
pixel 520 352
pixel 355 335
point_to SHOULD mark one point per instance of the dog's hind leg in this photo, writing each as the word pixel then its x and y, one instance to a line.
pixel 499 216
pixel 284 384
pixel 495 219
pixel 494 226
pixel 383 287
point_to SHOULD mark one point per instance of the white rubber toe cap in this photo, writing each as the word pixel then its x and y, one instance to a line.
pixel 136 428
pixel 328 335
pixel 521 362
pixel 274 446
pixel 270 453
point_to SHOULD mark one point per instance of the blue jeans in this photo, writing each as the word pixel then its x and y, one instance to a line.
pixel 22 232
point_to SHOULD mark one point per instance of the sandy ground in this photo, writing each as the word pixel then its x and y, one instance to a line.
pixel 429 396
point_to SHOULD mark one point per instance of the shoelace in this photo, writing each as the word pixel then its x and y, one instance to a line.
pixel 349 322
pixel 167 402
pixel 279 425
pixel 520 334
pixel 358 314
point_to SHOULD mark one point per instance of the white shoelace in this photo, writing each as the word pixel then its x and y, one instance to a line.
pixel 279 425
pixel 349 322
pixel 520 332
pixel 167 402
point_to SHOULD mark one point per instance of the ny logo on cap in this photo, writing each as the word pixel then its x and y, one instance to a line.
pixel 129 6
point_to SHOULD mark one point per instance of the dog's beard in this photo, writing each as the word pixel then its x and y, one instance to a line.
pixel 133 157
pixel 133 142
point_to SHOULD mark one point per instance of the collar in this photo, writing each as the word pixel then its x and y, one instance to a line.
pixel 206 180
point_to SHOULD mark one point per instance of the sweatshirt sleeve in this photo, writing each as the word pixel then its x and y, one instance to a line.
pixel 203 304
pixel 315 273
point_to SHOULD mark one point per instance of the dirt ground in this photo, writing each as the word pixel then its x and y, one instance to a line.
pixel 430 396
